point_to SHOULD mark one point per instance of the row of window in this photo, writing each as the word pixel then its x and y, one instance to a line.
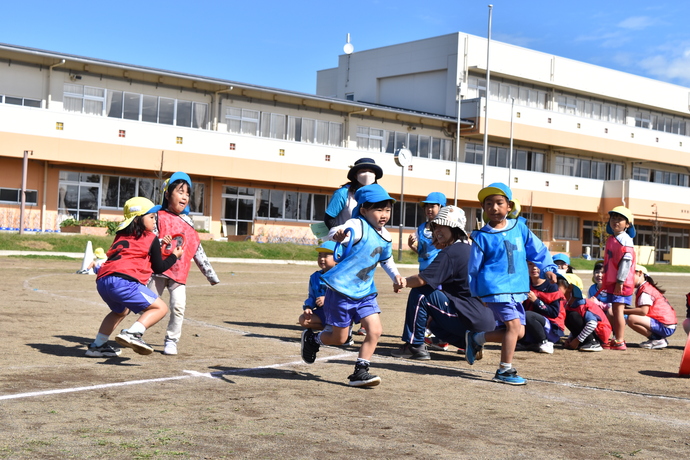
pixel 582 106
pixel 25 101
pixel 588 168
pixel 134 106
pixel 81 195
pixel 380 140
pixel 14 196
pixel 498 156
pixel 660 177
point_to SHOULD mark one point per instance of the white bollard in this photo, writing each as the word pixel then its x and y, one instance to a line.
pixel 86 261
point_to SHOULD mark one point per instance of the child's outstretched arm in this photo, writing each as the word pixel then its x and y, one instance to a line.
pixel 205 266
pixel 391 270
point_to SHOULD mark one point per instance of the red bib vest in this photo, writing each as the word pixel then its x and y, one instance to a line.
pixel 129 256
pixel 614 254
pixel 549 297
pixel 660 309
pixel 603 329
pixel 172 224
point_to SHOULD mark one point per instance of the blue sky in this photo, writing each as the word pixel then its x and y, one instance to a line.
pixel 282 44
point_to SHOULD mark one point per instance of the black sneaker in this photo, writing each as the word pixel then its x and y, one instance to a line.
pixel 104 351
pixel 134 341
pixel 409 351
pixel 309 346
pixel 362 377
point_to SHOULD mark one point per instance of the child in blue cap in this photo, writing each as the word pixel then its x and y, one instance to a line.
pixel 499 276
pixel 351 293
pixel 313 316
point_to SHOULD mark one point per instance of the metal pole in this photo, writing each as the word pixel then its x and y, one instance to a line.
pixel 486 107
pixel 510 159
pixel 402 212
pixel 457 145
pixel 22 206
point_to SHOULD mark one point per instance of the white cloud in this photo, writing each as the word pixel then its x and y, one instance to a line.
pixel 675 69
pixel 638 22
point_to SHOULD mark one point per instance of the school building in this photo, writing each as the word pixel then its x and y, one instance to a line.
pixel 265 161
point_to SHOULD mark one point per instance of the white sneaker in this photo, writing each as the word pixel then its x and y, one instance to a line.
pixel 546 347
pixel 654 344
pixel 170 347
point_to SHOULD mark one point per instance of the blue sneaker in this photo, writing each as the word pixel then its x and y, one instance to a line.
pixel 473 351
pixel 510 377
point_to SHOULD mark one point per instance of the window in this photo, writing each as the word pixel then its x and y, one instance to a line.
pixel 640 174
pixel 26 102
pixel 78 195
pixel 592 169
pixel 14 196
pixel 238 210
pixel 273 125
pixel 83 99
pixel 414 215
pixel 566 227
pixel 369 138
pixel 242 121
pixel 116 190
pixel 313 131
pixel 284 205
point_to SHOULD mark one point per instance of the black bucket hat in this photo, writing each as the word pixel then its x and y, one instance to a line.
pixel 364 163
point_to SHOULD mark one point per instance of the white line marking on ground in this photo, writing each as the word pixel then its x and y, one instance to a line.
pixel 164 379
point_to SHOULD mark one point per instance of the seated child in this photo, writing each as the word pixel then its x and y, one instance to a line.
pixel 544 313
pixel 562 261
pixel 652 316
pixel 588 324
pixel 313 316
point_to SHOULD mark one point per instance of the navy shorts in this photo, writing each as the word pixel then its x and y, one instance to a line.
pixel 341 311
pixel 121 294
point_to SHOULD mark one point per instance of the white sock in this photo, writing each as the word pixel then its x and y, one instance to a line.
pixel 480 338
pixel 505 367
pixel 101 339
pixel 137 328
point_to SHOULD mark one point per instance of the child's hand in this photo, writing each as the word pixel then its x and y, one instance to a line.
pixel 167 239
pixel 531 296
pixel 399 283
pixel 178 251
pixel 551 277
pixel 319 301
pixel 307 314
pixel 619 289
pixel 571 344
pixel 339 236
pixel 412 242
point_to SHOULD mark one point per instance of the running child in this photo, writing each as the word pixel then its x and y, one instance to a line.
pixel 121 280
pixel 589 326
pixel 652 316
pixel 351 293
pixel 619 271
pixel 173 220
pixel 499 277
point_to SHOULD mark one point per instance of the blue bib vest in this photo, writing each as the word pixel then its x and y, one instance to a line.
pixel 353 277
pixel 426 251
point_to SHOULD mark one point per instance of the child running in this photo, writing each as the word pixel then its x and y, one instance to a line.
pixel 499 276
pixel 173 220
pixel 121 281
pixel 351 293
pixel 619 271
pixel 652 316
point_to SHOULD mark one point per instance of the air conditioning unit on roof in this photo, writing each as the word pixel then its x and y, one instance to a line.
pixel 202 223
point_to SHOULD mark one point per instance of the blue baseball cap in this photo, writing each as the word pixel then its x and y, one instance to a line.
pixel 435 198
pixel 176 176
pixel 327 246
pixel 562 257
pixel 497 188
pixel 372 193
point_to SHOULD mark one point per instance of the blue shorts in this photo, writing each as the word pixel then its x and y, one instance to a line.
pixel 624 299
pixel 121 294
pixel 507 311
pixel 341 311
pixel 660 329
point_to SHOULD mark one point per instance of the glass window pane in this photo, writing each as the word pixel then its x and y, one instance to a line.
pixel 184 113
pixel 291 205
pixel 304 206
pixel 111 189
pixel 200 115
pixel 424 146
pixel 88 197
pixel 166 111
pixel 230 208
pixel 131 106
pixel 262 200
pixel 149 109
pixel 114 104
pixel 320 205
pixel 245 209
pixel 276 210
pixel 32 103
pixel 436 149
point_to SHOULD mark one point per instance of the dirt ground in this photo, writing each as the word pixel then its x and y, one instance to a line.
pixel 238 388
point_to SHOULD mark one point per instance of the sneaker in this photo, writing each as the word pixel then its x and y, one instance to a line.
pixel 104 351
pixel 362 378
pixel 617 345
pixel 546 347
pixel 134 341
pixel 361 331
pixel 509 377
pixel 309 346
pixel 409 351
pixel 473 351
pixel 349 342
pixel 170 347
pixel 654 344
pixel 437 346
pixel 593 345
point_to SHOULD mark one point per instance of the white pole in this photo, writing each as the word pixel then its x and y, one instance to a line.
pixel 510 159
pixel 402 212
pixel 457 145
pixel 486 107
